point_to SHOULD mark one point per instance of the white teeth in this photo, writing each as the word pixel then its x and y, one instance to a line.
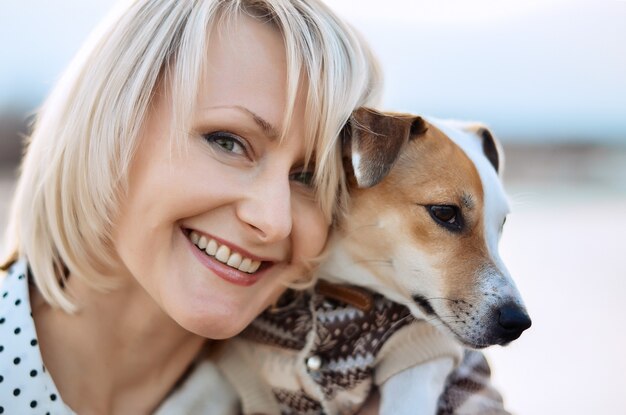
pixel 254 266
pixel 211 248
pixel 245 265
pixel 223 254
pixel 194 238
pixel 234 260
pixel 202 242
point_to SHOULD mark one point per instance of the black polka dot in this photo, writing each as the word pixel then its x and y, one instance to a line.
pixel 1 348
pixel 17 361
pixel 21 277
pixel 33 373
pixel 2 320
pixel 18 302
pixel 33 404
pixel 1 378
pixel 53 397
pixel 1 410
pixel 33 342
pixel 17 330
pixel 4 294
pixel 16 392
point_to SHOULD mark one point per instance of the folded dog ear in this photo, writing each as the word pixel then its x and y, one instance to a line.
pixel 372 141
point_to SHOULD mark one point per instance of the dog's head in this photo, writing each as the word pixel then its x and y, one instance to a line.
pixel 426 213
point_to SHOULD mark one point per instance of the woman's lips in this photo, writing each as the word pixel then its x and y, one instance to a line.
pixel 231 266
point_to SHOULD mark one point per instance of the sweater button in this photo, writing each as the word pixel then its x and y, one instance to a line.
pixel 314 363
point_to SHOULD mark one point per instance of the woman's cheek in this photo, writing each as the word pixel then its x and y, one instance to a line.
pixel 313 230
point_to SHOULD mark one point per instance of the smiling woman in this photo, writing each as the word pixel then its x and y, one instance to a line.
pixel 184 169
pixel 236 187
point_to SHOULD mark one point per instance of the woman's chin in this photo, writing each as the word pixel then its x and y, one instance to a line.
pixel 213 319
pixel 215 329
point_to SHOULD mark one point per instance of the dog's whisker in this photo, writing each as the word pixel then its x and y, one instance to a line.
pixel 374 261
pixel 518 199
pixel 441 298
pixel 358 228
pixel 439 324
pixel 448 322
pixel 437 319
pixel 392 328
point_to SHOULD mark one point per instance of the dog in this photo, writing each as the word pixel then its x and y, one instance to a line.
pixel 421 232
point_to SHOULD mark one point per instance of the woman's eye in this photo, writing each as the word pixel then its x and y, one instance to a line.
pixel 226 142
pixel 304 177
pixel 447 216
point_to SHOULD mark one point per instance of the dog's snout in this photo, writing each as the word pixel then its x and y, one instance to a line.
pixel 513 320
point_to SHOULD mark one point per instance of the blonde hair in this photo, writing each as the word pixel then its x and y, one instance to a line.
pixel 73 175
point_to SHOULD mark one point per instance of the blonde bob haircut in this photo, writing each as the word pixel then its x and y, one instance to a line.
pixel 74 173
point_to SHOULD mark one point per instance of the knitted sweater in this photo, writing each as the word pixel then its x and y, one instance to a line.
pixel 317 355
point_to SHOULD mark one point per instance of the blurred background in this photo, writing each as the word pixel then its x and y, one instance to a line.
pixel 548 77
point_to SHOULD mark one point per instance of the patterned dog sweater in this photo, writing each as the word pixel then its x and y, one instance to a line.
pixel 316 355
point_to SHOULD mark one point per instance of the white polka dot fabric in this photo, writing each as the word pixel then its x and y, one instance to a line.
pixel 25 385
pixel 27 388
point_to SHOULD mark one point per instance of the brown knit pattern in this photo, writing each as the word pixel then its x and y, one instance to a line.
pixel 286 326
pixel 296 403
pixel 347 339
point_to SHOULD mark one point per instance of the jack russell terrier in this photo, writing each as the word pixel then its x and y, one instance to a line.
pixel 411 278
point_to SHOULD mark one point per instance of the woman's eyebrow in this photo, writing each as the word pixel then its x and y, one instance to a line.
pixel 268 129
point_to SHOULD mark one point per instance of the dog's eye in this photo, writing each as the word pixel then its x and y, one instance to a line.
pixel 447 216
pixel 444 213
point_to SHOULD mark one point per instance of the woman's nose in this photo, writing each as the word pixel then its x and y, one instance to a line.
pixel 266 208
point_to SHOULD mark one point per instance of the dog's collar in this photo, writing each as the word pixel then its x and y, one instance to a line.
pixel 349 294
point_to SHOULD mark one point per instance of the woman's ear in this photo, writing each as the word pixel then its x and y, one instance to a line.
pixel 372 142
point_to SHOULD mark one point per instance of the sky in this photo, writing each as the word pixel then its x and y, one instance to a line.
pixel 532 70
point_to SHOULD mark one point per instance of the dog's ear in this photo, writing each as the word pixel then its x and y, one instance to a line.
pixel 372 142
pixel 491 147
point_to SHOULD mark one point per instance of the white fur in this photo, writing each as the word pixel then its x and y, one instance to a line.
pixel 356 166
pixel 400 396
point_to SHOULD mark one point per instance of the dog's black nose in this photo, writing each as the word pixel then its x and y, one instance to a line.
pixel 513 320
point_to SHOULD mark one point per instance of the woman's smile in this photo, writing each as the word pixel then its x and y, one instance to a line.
pixel 227 261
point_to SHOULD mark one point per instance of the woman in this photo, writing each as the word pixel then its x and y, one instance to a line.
pixel 183 170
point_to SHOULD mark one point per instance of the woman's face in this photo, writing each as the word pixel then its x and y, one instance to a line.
pixel 237 192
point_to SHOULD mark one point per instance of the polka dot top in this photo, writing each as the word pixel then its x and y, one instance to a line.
pixel 25 385
pixel 27 388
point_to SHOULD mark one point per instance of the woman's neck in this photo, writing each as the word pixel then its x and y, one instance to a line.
pixel 119 354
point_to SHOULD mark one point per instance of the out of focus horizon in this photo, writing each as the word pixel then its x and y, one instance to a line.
pixel 535 71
